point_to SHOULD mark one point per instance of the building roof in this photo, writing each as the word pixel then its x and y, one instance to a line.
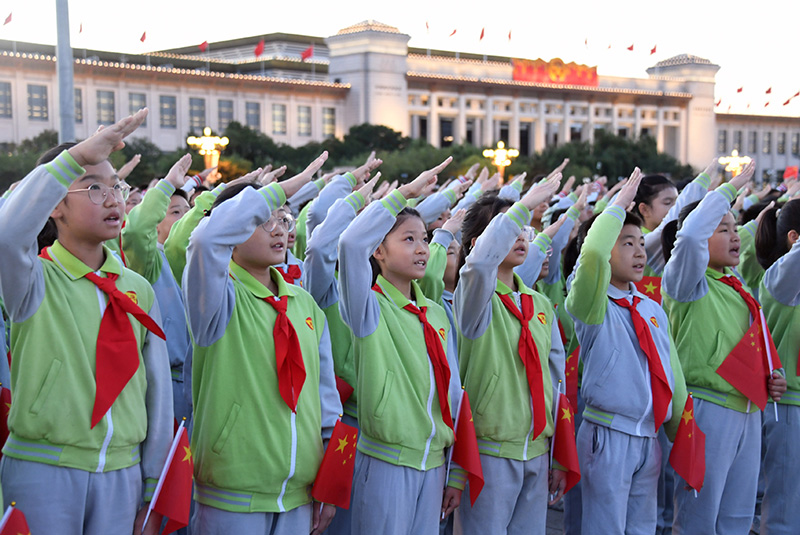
pixel 683 59
pixel 368 26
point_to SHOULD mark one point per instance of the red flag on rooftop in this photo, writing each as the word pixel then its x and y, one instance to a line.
pixel 796 95
pixel 688 456
pixel 586 41
pixel 630 48
pixel 307 53
pixel 740 89
pixel 427 26
pixel 453 33
pixel 653 50
pixel 787 102
pixel 465 450
pixel 80 28
pixel 565 451
pixel 509 35
pixel 203 46
pixel 143 37
pixel 483 32
pixel 718 102
pixel 5 408
pixel 769 91
pixel 13 522
pixel 173 496
pixel 766 104
pixel 8 19
pixel 334 481
pixel 259 48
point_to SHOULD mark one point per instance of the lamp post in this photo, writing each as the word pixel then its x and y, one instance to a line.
pixel 734 163
pixel 501 157
pixel 209 147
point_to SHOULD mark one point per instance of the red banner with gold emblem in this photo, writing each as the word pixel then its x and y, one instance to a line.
pixel 554 71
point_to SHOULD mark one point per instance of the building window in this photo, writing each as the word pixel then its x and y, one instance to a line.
pixel 137 101
pixel 78 106
pixel 5 99
pixel 766 145
pixel 722 141
pixel 752 142
pixel 328 122
pixel 169 111
pixel 225 113
pixel 781 149
pixel 105 107
pixel 795 144
pixel 37 102
pixel 737 141
pixel 252 115
pixel 279 119
pixel 197 114
pixel 304 120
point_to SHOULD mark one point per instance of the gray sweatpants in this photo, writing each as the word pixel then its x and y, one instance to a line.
pixel 395 500
pixel 68 501
pixel 725 504
pixel 780 509
pixel 513 500
pixel 209 520
pixel 619 479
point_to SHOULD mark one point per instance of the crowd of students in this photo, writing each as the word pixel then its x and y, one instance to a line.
pixel 264 311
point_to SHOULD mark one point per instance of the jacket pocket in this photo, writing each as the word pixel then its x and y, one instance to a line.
pixel 222 439
pixel 486 395
pixel 608 368
pixel 387 392
pixel 47 386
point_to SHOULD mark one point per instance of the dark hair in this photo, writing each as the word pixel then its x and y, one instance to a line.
pixel 405 213
pixel 180 193
pixel 772 230
pixel 649 189
pixel 231 192
pixel 573 250
pixel 670 231
pixel 49 232
pixel 476 220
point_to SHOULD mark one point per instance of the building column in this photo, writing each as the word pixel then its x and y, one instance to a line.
pixel 637 122
pixel 683 137
pixel 513 127
pixel 434 136
pixel 590 124
pixel 460 126
pixel 539 127
pixel 615 119
pixel 660 130
pixel 488 128
pixel 566 123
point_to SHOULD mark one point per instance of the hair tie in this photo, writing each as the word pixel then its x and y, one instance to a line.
pixel 778 213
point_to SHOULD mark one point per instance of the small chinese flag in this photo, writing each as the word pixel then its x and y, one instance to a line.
pixel 651 287
pixel 307 53
pixel 173 498
pixel 8 19
pixel 344 388
pixel 203 46
pixel 793 96
pixel 13 522
pixel 688 456
pixel 5 408
pixel 766 104
pixel 787 102
pixel 565 452
pixel 483 32
pixel 572 370
pixel 769 91
pixel 653 50
pixel 334 480
pixel 451 33
pixel 789 172
pixel 427 26
pixel 80 28
pixel 630 48
pixel 718 102
pixel 143 37
pixel 509 35
pixel 740 89
pixel 746 367
pixel 465 450
pixel 259 48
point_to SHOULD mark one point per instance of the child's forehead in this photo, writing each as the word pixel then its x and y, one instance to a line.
pixel 102 172
pixel 631 230
pixel 411 224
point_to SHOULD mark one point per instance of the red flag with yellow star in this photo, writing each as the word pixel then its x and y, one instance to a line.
pixel 651 287
pixel 334 480
pixel 465 450
pixel 173 496
pixel 688 456
pixel 565 451
pixel 572 370
pixel 14 523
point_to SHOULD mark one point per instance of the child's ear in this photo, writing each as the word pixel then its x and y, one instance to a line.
pixel 380 253
pixel 791 237
pixel 58 211
pixel 472 243
pixel 644 209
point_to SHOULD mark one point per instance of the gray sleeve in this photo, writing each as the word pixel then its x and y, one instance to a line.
pixel 321 250
pixel 339 188
pixel 510 193
pixel 207 289
pixel 330 403
pixel 432 207
pixel 303 195
pixel 159 401
pixel 560 241
pixel 24 214
pixel 478 278
pixel 781 278
pixel 357 302
pixel 469 199
pixel 557 360
pixel 684 275
pixel 693 191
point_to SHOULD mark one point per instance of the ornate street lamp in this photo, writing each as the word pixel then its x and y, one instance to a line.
pixel 209 147
pixel 501 157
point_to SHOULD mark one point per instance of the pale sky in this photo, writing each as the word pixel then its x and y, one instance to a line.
pixel 752 41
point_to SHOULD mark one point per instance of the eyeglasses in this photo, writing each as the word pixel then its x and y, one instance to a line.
pixel 286 221
pixel 99 192
pixel 549 252
pixel 528 232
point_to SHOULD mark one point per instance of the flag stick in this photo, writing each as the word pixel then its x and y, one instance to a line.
pixel 455 430
pixel 7 514
pixel 769 352
pixel 555 426
pixel 163 473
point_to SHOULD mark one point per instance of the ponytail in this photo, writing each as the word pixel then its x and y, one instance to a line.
pixel 670 232
pixel 771 239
